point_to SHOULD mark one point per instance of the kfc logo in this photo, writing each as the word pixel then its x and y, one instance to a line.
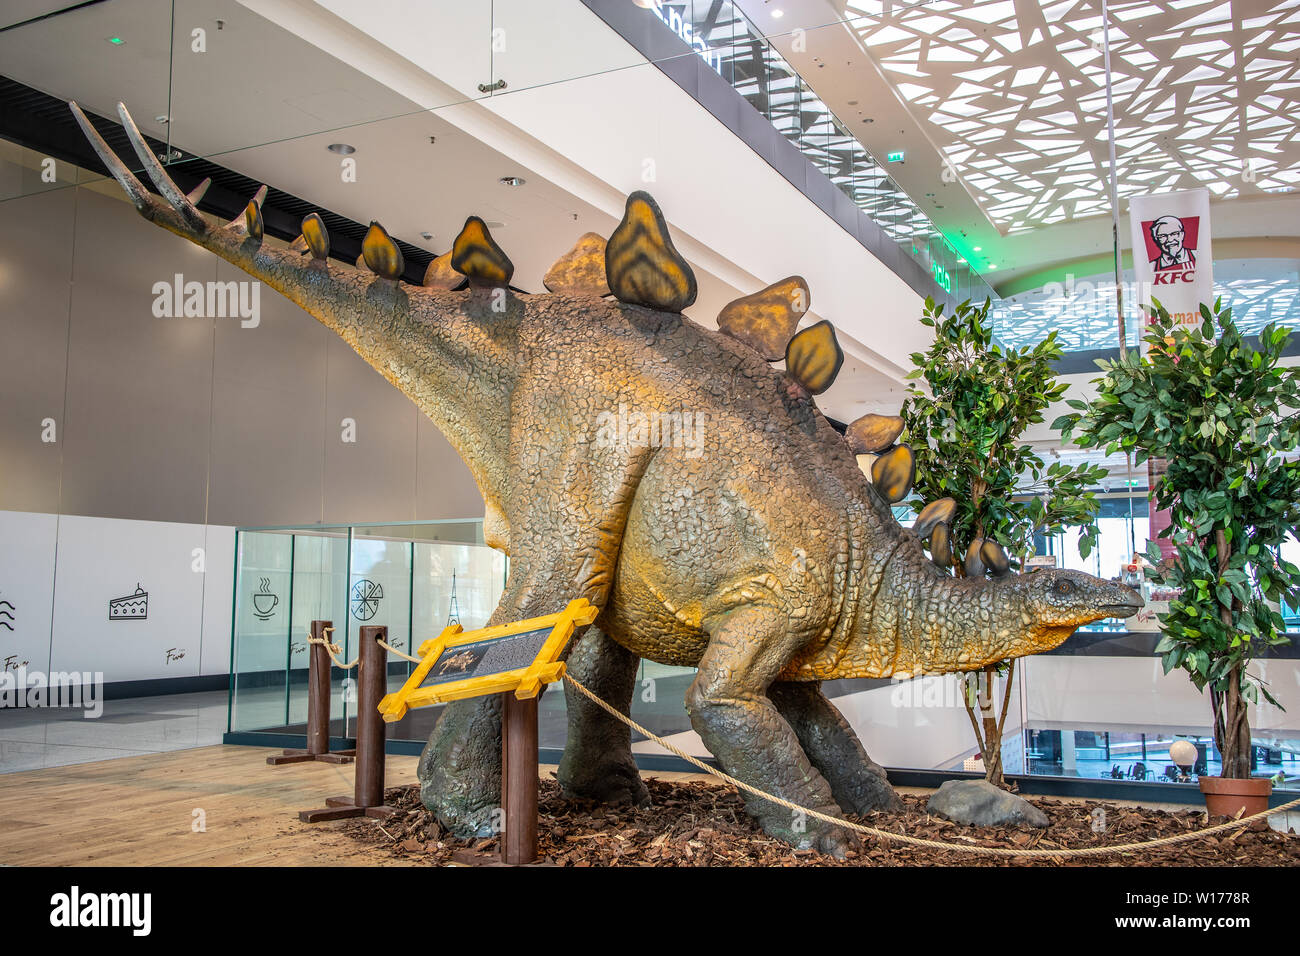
pixel 1171 248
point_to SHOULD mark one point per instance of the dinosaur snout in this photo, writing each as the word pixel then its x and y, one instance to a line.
pixel 1119 600
pixel 1074 598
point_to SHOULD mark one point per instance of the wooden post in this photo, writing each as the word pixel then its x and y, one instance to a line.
pixel 372 680
pixel 318 706
pixel 318 692
pixel 519 779
pixel 368 788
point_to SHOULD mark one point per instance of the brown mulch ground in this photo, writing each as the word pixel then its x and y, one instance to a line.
pixel 696 823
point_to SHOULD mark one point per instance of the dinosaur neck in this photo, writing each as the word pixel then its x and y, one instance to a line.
pixel 915 619
pixel 943 624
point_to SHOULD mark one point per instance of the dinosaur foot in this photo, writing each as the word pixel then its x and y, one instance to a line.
pixel 462 811
pixel 602 780
pixel 868 793
pixel 807 833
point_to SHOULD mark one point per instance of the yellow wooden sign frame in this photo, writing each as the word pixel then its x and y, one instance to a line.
pixel 526 682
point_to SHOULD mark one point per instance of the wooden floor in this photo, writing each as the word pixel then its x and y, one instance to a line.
pixel 139 811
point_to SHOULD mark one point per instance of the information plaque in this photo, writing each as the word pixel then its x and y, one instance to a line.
pixel 518 657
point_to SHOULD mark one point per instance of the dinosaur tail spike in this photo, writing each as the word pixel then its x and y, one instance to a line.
pixel 642 266
pixel 170 191
pixel 476 255
pixel 380 254
pixel 196 194
pixel 299 245
pixel 134 189
pixel 581 270
pixel 440 276
pixel 814 357
pixel 766 320
pixel 872 434
pixel 316 236
pixel 893 473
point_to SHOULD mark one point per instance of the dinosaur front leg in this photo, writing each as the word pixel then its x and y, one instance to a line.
pixel 740 725
pixel 598 763
pixel 460 767
pixel 564 544
pixel 858 782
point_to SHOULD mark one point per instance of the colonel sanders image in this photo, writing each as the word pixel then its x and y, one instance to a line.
pixel 1167 232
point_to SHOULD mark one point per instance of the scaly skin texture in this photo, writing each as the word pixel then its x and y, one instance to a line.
pixel 759 554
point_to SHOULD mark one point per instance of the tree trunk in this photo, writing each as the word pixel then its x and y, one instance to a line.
pixel 1234 748
pixel 988 737
pixel 1231 718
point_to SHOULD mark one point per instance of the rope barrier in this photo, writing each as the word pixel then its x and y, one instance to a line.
pixel 392 650
pixel 333 650
pixel 918 841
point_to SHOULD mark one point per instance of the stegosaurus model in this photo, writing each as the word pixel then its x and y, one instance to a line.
pixel 759 552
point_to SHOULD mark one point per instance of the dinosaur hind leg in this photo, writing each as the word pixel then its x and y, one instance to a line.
pixel 857 781
pixel 730 710
pixel 597 762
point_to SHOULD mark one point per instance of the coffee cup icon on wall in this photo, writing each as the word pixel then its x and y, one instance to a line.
pixel 264 602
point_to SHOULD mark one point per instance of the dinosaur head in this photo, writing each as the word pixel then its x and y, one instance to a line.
pixel 1054 603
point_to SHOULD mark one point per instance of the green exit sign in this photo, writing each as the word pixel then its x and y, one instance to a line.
pixel 895 157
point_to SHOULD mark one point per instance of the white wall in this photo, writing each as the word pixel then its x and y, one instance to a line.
pixel 60 572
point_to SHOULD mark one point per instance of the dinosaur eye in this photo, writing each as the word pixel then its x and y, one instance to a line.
pixel 1062 587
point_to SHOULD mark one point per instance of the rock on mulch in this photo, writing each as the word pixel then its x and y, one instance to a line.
pixel 697 823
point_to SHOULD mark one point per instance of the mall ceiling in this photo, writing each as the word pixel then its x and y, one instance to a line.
pixel 1000 109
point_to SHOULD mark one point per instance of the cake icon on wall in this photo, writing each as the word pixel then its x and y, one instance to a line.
pixel 130 607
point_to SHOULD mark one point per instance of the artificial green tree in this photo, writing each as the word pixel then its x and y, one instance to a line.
pixel 1225 415
pixel 966 428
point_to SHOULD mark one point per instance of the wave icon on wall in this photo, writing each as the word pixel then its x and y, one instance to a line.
pixel 7 615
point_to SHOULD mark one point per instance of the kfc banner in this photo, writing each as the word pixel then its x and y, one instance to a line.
pixel 1171 252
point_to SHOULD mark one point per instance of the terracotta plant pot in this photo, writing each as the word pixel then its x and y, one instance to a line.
pixel 1224 797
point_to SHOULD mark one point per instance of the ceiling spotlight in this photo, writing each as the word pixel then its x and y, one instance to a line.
pixel 426 236
pixel 512 180
pixel 343 149
pixel 493 224
pixel 777 14
pixel 993 265
pixel 977 249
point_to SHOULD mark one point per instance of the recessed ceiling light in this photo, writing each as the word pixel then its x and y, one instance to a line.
pixel 343 149
pixel 512 180
pixel 777 14
pixel 978 249
pixel 493 224
pixel 993 265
